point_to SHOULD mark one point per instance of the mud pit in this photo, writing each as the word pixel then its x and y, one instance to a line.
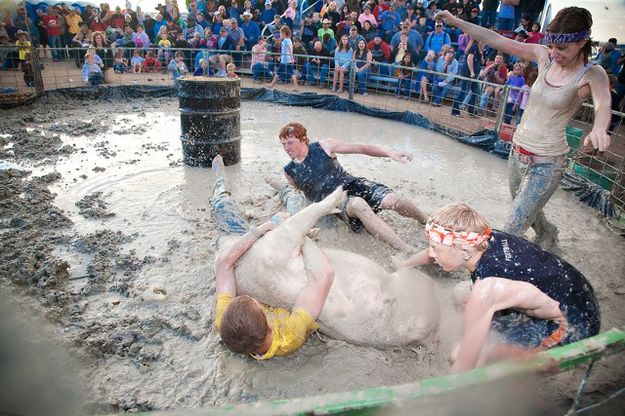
pixel 105 228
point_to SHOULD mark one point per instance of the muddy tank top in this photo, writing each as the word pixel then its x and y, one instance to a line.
pixel 543 127
pixel 515 258
pixel 319 174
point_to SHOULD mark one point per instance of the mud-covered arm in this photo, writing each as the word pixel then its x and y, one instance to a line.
pixel 419 259
pixel 601 99
pixel 489 296
pixel 224 263
pixel 320 273
pixel 333 146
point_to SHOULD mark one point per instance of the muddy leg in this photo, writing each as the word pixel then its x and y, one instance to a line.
pixel 223 208
pixel 289 236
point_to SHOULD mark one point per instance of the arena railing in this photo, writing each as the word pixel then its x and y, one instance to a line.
pixel 606 169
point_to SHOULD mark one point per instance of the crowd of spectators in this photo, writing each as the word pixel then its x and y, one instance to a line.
pixel 396 39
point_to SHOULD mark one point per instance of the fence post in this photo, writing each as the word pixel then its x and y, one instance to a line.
pixel 502 108
pixel 352 79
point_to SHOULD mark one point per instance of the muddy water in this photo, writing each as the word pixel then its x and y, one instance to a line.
pixel 137 293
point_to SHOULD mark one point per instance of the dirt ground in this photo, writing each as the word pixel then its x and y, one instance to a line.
pixel 108 236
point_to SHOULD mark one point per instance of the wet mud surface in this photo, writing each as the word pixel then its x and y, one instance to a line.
pixel 107 231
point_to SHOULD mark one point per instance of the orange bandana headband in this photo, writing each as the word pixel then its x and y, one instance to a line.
pixel 447 237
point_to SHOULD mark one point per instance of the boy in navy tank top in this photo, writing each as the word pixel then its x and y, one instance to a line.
pixel 531 298
pixel 315 170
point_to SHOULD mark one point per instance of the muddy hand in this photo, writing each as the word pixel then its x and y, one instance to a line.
pixel 402 156
pixel 600 140
pixel 443 16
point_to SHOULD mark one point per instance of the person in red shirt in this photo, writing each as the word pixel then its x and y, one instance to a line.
pixel 52 23
pixel 535 36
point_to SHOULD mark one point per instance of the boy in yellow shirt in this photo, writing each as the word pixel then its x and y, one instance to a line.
pixel 245 325
pixel 23 45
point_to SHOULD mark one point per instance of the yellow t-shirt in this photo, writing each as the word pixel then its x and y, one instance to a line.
pixel 164 43
pixel 289 329
pixel 23 47
pixel 73 23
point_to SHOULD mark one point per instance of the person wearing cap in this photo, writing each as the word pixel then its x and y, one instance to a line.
pixel 234 11
pixel 23 45
pixel 381 55
pixel 259 65
pixel 251 30
pixel 268 13
pixel 354 37
pixel 414 38
pixel 325 29
pixel 437 39
pixel 319 61
pixel 532 299
pixel 308 31
pixel 604 57
pixel 221 59
pixel 447 66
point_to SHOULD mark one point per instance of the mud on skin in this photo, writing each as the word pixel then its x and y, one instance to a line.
pixel 134 290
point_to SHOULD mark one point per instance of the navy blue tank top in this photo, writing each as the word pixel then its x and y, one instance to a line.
pixel 319 174
pixel 514 258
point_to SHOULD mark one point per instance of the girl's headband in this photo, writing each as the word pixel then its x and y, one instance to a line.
pixel 553 37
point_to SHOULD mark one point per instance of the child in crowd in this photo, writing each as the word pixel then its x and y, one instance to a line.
pixel 23 45
pixel 91 71
pixel 177 66
pixel 164 46
pixel 289 14
pixel 150 63
pixel 405 76
pixel 524 95
pixel 517 81
pixel 27 69
pixel 202 69
pixel 120 63
pixel 532 299
pixel 231 68
pixel 137 61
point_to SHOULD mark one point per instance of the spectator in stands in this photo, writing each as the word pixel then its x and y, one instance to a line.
pixel 474 16
pixel 469 90
pixel 615 55
pixel 505 17
pixel 287 61
pixel 367 16
pixel 120 63
pixel 177 67
pixel 289 14
pixel 325 28
pixel 342 61
pixel 319 61
pixel 414 39
pixel 402 48
pixel 381 55
pixel 52 24
pixel 328 42
pixel 431 10
pixel 426 78
pixel 489 13
pixel 523 96
pixel 150 63
pixel 534 36
pixel 73 21
pixel 300 54
pixel 251 30
pixel 23 45
pixel 238 37
pixel 369 32
pixel 91 71
pixel 234 11
pixel 140 38
pixel 102 49
pixel 137 61
pixel 209 41
pixel 495 73
pixel 308 31
pixel 354 37
pixel 437 39
pixel 447 65
pixel 423 27
pixel 267 15
pixel 362 65
pixel 404 76
pixel 159 22
pixel 224 45
pixel 331 13
pixel 259 64
pixel 389 22
pixel 516 80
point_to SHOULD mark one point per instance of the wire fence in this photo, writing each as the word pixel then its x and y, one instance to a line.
pixel 459 104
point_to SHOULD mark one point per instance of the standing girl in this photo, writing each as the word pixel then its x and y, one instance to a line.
pixel 285 69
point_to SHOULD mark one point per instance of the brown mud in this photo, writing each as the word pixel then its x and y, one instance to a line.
pixel 104 227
